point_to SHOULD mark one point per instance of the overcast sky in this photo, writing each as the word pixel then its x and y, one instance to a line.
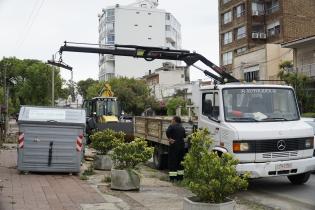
pixel 37 28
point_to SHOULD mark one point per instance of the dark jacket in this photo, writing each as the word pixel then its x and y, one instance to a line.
pixel 176 132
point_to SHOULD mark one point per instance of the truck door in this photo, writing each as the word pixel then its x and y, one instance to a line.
pixel 211 113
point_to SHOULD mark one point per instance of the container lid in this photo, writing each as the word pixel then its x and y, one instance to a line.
pixel 52 115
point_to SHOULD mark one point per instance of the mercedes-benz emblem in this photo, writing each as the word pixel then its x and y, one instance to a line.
pixel 281 145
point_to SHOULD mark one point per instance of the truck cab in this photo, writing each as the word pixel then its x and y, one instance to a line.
pixel 261 126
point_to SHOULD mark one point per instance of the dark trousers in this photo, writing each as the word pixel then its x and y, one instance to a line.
pixel 175 157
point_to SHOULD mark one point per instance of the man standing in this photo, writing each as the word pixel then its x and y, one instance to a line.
pixel 176 134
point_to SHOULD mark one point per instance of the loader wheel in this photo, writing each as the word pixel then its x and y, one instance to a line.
pixel 159 159
pixel 299 178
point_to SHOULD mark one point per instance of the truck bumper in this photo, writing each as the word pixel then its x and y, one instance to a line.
pixel 279 168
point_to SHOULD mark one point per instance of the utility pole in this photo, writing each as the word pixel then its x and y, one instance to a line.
pixel 53 84
pixel 5 100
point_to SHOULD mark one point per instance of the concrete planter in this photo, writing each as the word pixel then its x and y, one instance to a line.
pixel 124 180
pixel 189 204
pixel 103 162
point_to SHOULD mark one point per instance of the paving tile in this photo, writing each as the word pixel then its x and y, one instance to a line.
pixel 41 191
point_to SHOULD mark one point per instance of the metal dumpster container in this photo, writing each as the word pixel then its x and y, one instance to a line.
pixel 50 139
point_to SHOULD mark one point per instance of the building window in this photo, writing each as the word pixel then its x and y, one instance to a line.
pixel 250 76
pixel 226 1
pixel 167 28
pixel 227 17
pixel 272 6
pixel 227 58
pixel 110 15
pixel 241 32
pixel 273 28
pixel 167 16
pixel 228 37
pixel 241 50
pixel 110 39
pixel 257 8
pixel 240 10
pixel 109 27
pixel 251 73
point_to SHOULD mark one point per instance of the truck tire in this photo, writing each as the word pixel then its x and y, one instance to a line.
pixel 299 178
pixel 159 158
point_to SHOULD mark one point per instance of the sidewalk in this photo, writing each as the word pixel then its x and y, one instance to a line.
pixel 40 191
pixel 65 192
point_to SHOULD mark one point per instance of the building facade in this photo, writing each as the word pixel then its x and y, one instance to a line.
pixel 165 81
pixel 303 56
pixel 141 23
pixel 248 25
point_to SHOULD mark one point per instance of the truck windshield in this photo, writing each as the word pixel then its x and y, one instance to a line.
pixel 107 107
pixel 259 104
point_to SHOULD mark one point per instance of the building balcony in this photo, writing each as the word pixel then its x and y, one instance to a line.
pixel 307 70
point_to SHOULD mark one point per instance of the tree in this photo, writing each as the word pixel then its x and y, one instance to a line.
pixel 29 82
pixel 298 81
pixel 84 85
pixel 173 103
pixel 134 95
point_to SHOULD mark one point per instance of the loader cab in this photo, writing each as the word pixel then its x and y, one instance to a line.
pixel 103 109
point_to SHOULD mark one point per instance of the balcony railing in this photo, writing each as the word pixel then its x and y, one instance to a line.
pixel 272 9
pixel 307 70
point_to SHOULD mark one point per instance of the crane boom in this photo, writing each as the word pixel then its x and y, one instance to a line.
pixel 152 53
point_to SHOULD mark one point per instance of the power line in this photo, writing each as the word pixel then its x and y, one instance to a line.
pixel 32 18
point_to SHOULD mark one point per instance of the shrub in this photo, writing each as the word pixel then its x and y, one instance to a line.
pixel 130 155
pixel 104 141
pixel 210 177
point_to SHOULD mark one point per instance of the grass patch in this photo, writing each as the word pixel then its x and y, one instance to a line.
pixel 107 179
pixel 89 171
pixel 84 177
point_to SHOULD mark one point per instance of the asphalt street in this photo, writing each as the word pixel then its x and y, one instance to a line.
pixel 279 193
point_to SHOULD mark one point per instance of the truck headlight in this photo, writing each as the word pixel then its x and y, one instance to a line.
pixel 309 143
pixel 240 147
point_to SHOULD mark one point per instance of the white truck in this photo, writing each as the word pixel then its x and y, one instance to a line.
pixel 259 124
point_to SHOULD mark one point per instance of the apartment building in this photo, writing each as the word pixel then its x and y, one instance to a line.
pixel 140 23
pixel 248 25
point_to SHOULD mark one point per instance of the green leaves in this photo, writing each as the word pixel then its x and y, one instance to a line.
pixel 301 83
pixel 29 82
pixel 104 141
pixel 129 155
pixel 173 103
pixel 210 177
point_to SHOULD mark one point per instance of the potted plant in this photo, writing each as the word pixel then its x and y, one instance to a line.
pixel 212 178
pixel 103 142
pixel 126 158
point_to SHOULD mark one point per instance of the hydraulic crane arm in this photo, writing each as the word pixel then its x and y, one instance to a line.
pixel 152 53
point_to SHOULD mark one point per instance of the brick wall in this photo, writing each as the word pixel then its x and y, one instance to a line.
pixel 298 19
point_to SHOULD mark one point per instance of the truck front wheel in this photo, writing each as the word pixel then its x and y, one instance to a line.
pixel 159 158
pixel 299 178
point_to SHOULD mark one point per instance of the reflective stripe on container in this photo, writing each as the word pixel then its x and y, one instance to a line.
pixel 79 143
pixel 21 140
pixel 172 173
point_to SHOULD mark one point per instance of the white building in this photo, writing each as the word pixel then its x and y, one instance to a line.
pixel 164 82
pixel 140 23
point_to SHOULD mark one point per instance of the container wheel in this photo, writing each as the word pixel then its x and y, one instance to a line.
pixel 299 178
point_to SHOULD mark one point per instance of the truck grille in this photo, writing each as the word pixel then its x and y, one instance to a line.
pixel 263 146
pixel 280 154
